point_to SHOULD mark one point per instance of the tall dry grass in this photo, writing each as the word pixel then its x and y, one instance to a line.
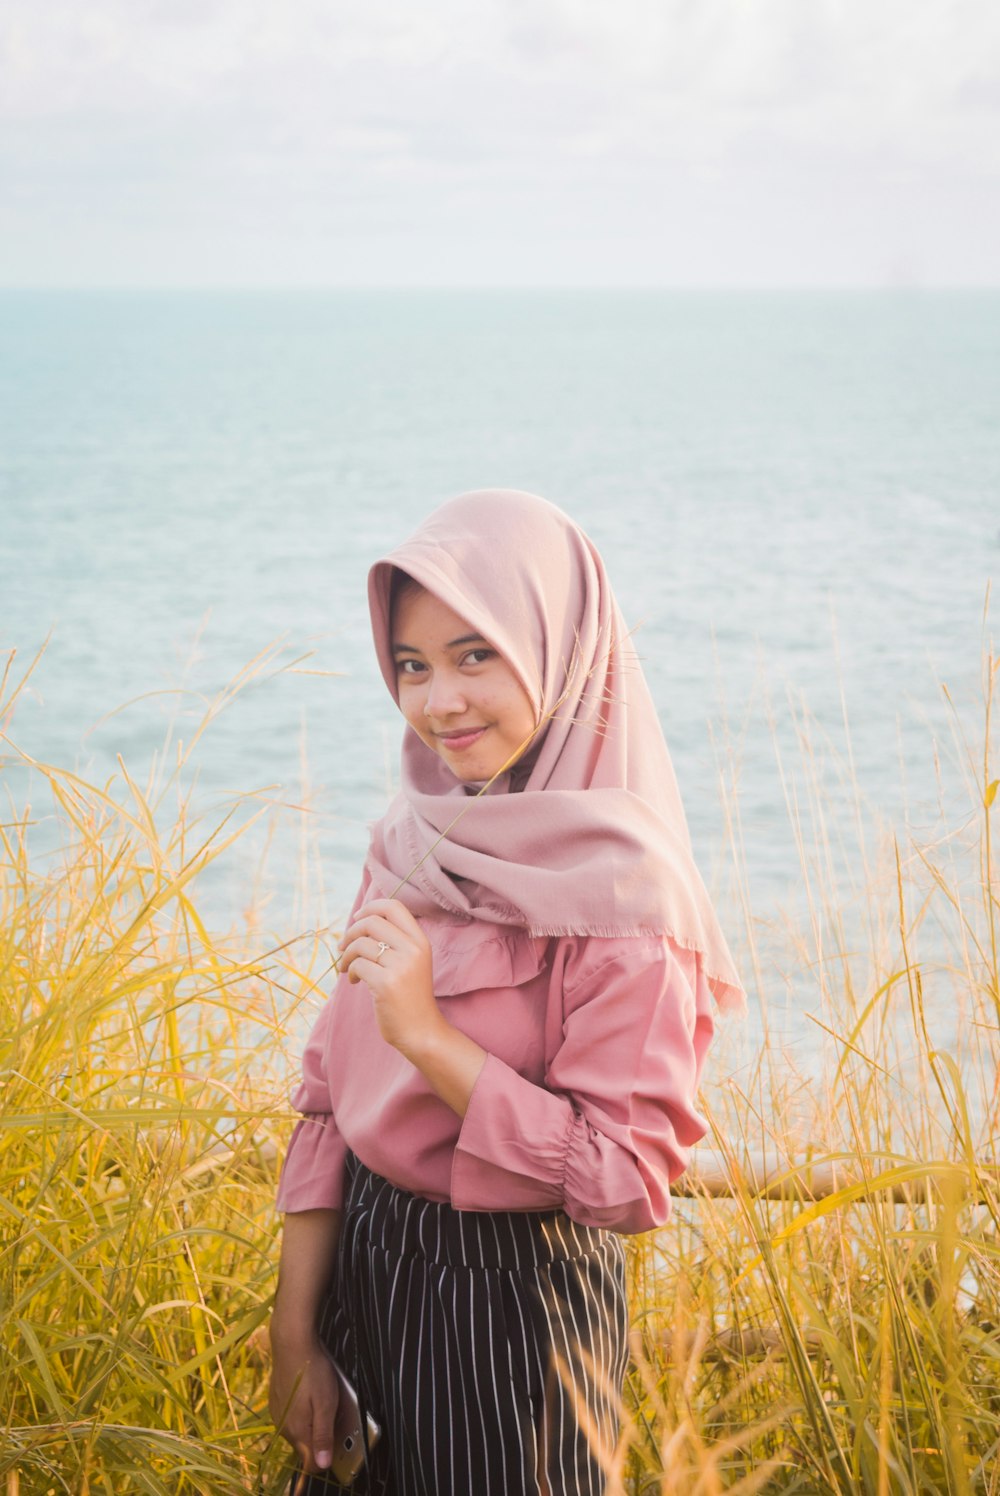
pixel 832 1323
pixel 838 1330
pixel 145 1066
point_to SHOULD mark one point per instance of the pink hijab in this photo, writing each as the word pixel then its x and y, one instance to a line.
pixel 587 835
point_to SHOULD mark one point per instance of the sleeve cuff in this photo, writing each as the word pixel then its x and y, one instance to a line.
pixel 512 1148
pixel 312 1177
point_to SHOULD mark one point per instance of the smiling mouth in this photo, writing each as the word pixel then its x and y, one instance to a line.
pixel 462 739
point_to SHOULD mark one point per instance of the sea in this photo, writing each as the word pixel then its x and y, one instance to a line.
pixel 797 496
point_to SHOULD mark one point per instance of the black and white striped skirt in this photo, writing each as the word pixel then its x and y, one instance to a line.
pixel 489 1347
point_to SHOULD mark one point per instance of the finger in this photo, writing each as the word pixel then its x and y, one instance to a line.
pixel 324 1413
pixel 366 947
pixel 347 969
pixel 375 925
pixel 360 945
pixel 304 1457
pixel 364 969
pixel 306 1468
pixel 285 1415
pixel 393 910
pixel 378 906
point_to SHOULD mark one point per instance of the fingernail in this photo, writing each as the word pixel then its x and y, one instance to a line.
pixel 324 1459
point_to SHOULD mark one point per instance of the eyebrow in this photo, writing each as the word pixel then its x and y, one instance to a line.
pixel 452 644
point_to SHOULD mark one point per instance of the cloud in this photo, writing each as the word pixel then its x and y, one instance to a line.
pixel 379 114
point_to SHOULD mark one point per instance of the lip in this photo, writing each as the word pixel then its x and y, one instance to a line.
pixel 457 742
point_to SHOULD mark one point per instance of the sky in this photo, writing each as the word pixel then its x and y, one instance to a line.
pixel 743 143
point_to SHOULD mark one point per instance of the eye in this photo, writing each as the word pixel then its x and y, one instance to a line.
pixel 409 667
pixel 478 656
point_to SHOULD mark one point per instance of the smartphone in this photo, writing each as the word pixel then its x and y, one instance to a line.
pixel 348 1440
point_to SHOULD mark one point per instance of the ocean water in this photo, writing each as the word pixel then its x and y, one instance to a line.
pixel 797 496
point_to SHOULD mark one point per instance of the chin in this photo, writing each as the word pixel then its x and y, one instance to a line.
pixel 474 773
pixel 473 776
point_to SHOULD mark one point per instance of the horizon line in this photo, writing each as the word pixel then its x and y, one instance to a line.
pixel 273 288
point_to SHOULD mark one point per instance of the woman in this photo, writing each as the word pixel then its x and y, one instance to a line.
pixel 504 1079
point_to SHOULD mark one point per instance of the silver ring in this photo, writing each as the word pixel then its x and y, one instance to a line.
pixel 382 948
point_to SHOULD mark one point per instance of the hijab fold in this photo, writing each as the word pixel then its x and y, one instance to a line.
pixel 587 834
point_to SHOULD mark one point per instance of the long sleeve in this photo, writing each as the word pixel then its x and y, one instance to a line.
pixel 312 1175
pixel 613 1123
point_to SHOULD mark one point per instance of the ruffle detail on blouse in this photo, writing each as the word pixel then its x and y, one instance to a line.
pixel 473 956
pixel 314 1181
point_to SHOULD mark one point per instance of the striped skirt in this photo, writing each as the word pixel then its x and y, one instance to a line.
pixel 490 1348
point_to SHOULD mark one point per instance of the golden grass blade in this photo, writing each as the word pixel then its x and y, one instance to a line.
pixel 783 1341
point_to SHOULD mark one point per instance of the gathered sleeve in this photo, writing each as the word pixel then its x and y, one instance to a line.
pixel 612 1126
pixel 312 1174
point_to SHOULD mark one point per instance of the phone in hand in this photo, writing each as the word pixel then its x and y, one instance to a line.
pixel 348 1439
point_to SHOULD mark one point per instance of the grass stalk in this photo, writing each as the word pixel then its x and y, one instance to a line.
pixel 833 1327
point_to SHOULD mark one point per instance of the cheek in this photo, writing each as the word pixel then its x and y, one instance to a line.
pixel 520 715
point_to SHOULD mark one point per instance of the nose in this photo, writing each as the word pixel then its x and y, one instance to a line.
pixel 445 697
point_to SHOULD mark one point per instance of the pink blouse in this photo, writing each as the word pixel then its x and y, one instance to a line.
pixel 586 1101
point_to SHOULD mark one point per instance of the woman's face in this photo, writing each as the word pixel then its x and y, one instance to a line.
pixel 459 696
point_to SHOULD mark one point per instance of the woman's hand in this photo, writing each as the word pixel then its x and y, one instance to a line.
pixel 400 979
pixel 304 1389
pixel 303 1396
pixel 385 948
